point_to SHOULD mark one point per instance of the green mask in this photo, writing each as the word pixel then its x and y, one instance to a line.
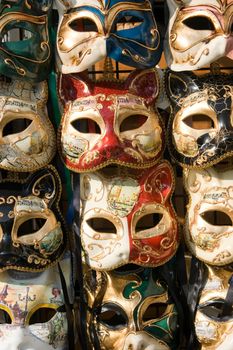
pixel 134 311
pixel 25 48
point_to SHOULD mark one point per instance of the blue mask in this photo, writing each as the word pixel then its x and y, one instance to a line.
pixel 89 31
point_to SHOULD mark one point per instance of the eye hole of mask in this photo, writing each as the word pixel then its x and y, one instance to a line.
pixel 216 218
pixel 153 311
pixel 30 226
pixel 112 316
pixel 214 310
pixel 16 126
pixel 148 221
pixel 86 125
pixel 42 315
pixel 199 23
pixel 128 22
pixel 83 25
pixel 199 122
pixel 4 317
pixel 16 35
pixel 132 122
pixel 102 225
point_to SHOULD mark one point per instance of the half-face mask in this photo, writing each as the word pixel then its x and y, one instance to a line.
pixel 88 31
pixel 213 328
pixel 132 311
pixel 198 33
pixel 25 48
pixel 209 220
pixel 27 138
pixel 32 236
pixel 110 122
pixel 32 310
pixel 139 221
pixel 201 122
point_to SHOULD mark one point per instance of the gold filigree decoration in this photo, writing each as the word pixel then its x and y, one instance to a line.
pixel 47 195
pixel 34 259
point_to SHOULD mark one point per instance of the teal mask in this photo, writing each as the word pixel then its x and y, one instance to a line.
pixel 134 311
pixel 25 48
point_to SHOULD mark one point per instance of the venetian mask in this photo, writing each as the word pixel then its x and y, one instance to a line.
pixel 25 48
pixel 110 122
pixel 198 33
pixel 214 330
pixel 88 31
pixel 27 138
pixel 139 221
pixel 32 236
pixel 201 122
pixel 132 311
pixel 209 221
pixel 31 310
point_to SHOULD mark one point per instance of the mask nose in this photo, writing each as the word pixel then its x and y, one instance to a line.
pixel 143 341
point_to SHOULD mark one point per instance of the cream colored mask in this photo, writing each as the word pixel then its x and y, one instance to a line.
pixel 209 220
pixel 27 138
pixel 127 217
pixel 29 314
pixel 199 33
pixel 214 330
pixel 132 311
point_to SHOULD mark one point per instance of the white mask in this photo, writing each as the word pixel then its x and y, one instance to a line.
pixel 20 299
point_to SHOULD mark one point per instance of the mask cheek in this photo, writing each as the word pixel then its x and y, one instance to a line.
pixel 31 144
pixel 207 331
pixel 111 339
pixel 73 147
pixel 13 337
pixel 106 250
pixel 210 334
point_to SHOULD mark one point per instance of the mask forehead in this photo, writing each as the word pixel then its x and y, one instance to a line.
pixel 108 111
pixel 209 325
pixel 107 35
pixel 123 201
pixel 131 295
pixel 210 191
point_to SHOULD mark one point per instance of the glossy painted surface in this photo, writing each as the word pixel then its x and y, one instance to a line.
pixel 23 109
pixel 123 197
pixel 29 57
pixel 143 313
pixel 198 33
pixel 213 330
pixel 110 122
pixel 210 193
pixel 32 235
pixel 123 30
pixel 200 127
pixel 31 304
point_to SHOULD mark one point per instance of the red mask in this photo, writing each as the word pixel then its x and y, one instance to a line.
pixel 110 122
pixel 140 223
